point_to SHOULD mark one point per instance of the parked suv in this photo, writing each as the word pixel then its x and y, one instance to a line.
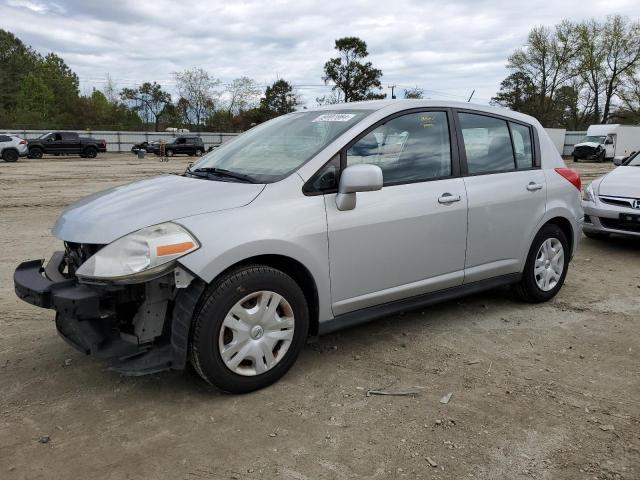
pixel 311 222
pixel 181 145
pixel 12 147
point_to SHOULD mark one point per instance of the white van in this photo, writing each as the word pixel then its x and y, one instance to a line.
pixel 606 142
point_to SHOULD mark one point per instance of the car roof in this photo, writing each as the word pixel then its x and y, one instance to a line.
pixel 392 106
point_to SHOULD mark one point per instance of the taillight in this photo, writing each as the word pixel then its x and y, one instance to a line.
pixel 571 176
pixel 23 142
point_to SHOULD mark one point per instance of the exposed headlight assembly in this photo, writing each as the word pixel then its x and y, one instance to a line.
pixel 139 256
pixel 587 194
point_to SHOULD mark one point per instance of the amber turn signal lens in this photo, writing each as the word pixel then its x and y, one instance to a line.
pixel 173 249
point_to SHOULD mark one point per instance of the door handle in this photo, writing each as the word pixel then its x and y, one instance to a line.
pixel 447 198
pixel 533 186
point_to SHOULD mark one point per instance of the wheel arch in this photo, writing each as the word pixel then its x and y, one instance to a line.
pixel 9 149
pixel 565 225
pixel 297 271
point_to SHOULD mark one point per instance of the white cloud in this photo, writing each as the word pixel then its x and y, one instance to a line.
pixel 447 48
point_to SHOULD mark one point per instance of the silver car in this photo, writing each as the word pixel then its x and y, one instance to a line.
pixel 12 147
pixel 612 202
pixel 311 222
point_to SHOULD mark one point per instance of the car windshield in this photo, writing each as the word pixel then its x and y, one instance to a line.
pixel 594 138
pixel 634 161
pixel 271 151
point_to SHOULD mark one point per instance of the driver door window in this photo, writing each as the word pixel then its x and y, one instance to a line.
pixel 411 148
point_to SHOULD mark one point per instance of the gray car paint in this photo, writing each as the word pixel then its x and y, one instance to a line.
pixel 235 222
pixel 623 182
pixel 108 215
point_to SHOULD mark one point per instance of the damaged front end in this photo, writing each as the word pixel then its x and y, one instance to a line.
pixel 588 151
pixel 138 328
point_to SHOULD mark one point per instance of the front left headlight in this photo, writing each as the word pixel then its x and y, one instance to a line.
pixel 140 255
pixel 587 194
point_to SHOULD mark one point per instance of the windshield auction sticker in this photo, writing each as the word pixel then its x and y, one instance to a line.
pixel 335 117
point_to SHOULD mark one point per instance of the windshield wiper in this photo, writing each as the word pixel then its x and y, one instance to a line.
pixel 220 172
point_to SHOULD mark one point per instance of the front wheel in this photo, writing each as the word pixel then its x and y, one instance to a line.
pixel 575 159
pixel 546 266
pixel 249 330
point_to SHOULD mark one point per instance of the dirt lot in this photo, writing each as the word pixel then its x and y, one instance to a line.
pixel 546 391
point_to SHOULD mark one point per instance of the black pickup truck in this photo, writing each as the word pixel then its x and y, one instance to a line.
pixel 57 143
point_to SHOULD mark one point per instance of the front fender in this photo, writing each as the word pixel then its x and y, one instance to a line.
pixel 281 221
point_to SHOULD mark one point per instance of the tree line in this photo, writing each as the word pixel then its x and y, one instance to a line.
pixel 576 74
pixel 42 92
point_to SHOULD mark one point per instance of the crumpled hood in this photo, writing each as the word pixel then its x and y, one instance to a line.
pixel 621 182
pixel 587 144
pixel 106 216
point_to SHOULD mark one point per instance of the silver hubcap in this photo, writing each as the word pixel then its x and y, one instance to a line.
pixel 256 333
pixel 549 264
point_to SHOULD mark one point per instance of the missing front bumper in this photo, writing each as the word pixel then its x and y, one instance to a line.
pixel 102 320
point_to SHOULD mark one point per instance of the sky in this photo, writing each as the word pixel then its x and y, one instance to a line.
pixel 447 48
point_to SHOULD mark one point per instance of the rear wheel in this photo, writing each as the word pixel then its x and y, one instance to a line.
pixel 90 152
pixel 10 156
pixel 35 152
pixel 546 266
pixel 249 330
pixel 198 152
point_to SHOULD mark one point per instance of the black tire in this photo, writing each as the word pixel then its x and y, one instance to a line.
pixel 596 235
pixel 170 153
pixel 10 156
pixel 575 159
pixel 90 152
pixel 215 304
pixel 601 157
pixel 198 152
pixel 36 152
pixel 527 289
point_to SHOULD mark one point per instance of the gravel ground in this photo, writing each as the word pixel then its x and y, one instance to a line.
pixel 538 391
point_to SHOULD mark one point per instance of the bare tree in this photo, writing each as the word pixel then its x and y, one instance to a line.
pixel 547 61
pixel 622 46
pixel 198 93
pixel 242 94
pixel 630 97
pixel 110 89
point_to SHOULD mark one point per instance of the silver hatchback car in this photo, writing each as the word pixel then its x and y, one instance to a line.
pixel 311 222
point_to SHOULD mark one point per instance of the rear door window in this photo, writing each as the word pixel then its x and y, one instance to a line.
pixel 487 144
pixel 521 136
pixel 5 138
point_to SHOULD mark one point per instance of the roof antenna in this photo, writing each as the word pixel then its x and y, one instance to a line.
pixel 471 96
